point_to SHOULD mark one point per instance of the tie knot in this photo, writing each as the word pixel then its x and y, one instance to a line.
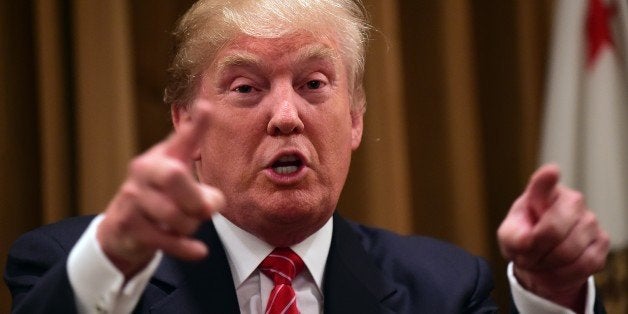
pixel 282 265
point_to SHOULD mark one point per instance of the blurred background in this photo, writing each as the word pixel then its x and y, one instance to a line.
pixel 455 90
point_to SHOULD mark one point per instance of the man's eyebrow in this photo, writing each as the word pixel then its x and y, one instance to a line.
pixel 316 52
pixel 237 59
pixel 305 54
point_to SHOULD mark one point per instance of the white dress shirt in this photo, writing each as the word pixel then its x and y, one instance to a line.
pixel 99 287
pixel 245 252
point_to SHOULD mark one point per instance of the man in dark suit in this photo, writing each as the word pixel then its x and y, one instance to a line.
pixel 267 102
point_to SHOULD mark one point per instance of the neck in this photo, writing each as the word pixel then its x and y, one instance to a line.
pixel 280 234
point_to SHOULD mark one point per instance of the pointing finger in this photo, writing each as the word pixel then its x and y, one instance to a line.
pixel 542 189
pixel 185 141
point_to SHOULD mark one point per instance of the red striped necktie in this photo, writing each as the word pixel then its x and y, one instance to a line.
pixel 282 265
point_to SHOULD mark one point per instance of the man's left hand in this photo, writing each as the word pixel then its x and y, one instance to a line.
pixel 554 240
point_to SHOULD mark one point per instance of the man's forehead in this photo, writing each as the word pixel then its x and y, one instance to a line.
pixel 260 51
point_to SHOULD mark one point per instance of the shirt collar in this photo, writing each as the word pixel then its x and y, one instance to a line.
pixel 245 251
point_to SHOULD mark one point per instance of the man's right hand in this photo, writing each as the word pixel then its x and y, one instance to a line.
pixel 160 204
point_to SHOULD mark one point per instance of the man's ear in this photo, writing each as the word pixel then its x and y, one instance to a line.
pixel 181 114
pixel 357 126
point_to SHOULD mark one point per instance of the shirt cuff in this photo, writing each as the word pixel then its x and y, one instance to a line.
pixel 527 302
pixel 99 287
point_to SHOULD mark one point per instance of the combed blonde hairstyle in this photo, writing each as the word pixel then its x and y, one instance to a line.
pixel 210 24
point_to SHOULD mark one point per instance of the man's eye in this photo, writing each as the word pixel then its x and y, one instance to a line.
pixel 244 89
pixel 314 84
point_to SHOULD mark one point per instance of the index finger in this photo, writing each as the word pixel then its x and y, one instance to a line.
pixel 182 144
pixel 541 190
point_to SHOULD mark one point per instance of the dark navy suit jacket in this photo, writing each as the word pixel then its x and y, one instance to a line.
pixel 368 271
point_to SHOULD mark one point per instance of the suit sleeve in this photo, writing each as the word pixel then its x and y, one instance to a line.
pixel 36 275
pixel 481 300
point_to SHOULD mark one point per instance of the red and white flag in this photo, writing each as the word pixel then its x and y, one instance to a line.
pixel 585 127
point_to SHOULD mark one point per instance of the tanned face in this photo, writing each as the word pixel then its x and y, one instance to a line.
pixel 281 134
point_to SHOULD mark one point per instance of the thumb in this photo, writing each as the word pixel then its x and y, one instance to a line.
pixel 214 199
pixel 542 189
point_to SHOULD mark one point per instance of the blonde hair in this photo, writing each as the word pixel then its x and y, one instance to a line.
pixel 210 24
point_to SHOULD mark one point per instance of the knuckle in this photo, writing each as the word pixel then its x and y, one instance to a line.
pixel 590 220
pixel 520 202
pixel 174 173
pixel 595 262
pixel 604 243
pixel 129 190
pixel 565 210
pixel 138 165
pixel 577 200
pixel 577 196
pixel 512 243
pixel 168 211
pixel 214 197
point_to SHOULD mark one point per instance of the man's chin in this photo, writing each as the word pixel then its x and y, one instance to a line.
pixel 295 209
pixel 286 212
pixel 286 226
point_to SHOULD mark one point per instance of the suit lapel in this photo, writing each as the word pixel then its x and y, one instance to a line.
pixel 352 283
pixel 197 287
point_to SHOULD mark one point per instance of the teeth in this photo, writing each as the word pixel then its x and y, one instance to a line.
pixel 286 169
pixel 287 164
pixel 289 158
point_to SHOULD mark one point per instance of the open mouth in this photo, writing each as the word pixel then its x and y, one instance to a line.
pixel 287 164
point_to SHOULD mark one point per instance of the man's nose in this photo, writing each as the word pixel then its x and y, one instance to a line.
pixel 285 118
